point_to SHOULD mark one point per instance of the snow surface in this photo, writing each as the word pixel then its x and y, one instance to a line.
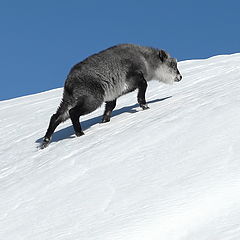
pixel 168 173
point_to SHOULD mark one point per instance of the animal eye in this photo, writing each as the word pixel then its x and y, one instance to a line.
pixel 173 64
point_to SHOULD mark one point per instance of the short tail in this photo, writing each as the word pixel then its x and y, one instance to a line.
pixel 63 111
pixel 66 104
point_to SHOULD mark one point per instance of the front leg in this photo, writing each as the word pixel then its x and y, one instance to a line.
pixel 108 110
pixel 142 86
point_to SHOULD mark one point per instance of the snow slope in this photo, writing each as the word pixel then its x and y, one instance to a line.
pixel 168 173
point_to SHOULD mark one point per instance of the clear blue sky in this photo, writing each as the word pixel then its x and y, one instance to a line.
pixel 41 40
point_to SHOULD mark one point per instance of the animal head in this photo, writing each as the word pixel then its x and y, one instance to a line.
pixel 167 70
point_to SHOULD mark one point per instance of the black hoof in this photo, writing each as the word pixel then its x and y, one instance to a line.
pixel 79 134
pixel 144 106
pixel 45 143
pixel 106 119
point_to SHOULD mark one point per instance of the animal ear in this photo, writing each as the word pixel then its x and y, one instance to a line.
pixel 163 55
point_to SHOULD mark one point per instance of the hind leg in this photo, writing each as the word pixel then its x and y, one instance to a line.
pixel 108 110
pixel 54 122
pixel 85 106
pixel 60 116
pixel 75 114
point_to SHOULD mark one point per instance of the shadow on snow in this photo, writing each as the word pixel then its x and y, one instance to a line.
pixel 68 132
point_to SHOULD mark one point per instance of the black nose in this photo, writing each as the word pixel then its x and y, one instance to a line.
pixel 180 77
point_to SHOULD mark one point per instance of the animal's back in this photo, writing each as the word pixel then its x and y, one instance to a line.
pixel 107 70
pixel 113 58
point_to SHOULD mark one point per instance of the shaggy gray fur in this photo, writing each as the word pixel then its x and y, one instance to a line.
pixel 107 75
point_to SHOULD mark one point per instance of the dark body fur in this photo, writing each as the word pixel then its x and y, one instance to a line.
pixel 107 75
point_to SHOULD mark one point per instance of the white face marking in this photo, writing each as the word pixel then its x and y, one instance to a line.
pixel 163 74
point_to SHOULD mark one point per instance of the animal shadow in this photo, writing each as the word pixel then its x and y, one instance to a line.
pixel 68 132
